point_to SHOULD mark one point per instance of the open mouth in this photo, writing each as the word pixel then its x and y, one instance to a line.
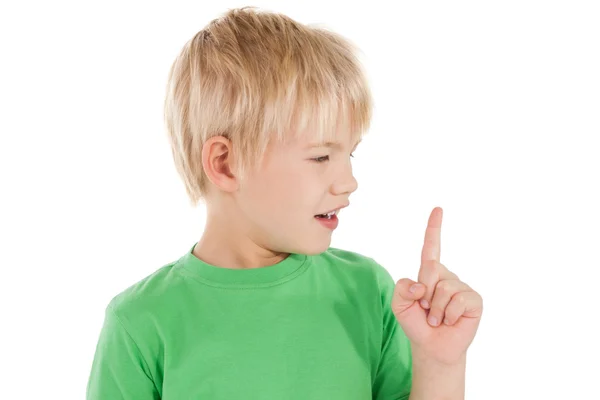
pixel 328 215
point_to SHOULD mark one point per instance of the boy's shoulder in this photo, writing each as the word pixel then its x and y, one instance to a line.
pixel 357 261
pixel 148 292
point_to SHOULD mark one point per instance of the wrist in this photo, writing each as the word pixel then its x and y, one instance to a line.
pixel 435 379
pixel 423 357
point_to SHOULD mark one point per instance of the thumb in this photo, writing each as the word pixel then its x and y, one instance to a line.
pixel 406 293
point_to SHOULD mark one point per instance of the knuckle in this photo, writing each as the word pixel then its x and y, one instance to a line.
pixel 451 318
pixel 452 314
pixel 443 286
pixel 404 281
pixel 460 298
pixel 449 313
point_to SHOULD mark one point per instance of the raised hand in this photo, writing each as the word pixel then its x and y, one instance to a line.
pixel 440 314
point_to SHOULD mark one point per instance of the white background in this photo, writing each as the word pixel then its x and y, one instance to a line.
pixel 490 110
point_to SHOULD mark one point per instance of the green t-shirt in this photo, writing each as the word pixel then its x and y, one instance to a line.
pixel 308 327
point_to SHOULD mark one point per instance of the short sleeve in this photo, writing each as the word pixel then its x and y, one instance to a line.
pixel 118 370
pixel 393 379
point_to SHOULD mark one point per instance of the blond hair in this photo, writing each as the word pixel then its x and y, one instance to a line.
pixel 254 76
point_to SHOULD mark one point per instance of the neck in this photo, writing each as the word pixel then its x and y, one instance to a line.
pixel 228 241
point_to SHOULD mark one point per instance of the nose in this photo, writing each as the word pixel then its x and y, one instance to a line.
pixel 346 182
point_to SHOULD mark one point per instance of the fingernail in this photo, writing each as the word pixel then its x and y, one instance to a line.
pixel 413 288
pixel 424 303
pixel 433 320
pixel 446 321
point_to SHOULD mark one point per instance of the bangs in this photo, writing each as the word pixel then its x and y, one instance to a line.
pixel 322 119
pixel 319 93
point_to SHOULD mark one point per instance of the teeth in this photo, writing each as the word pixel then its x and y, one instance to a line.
pixel 329 215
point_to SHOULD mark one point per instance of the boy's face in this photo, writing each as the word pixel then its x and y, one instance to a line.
pixel 281 198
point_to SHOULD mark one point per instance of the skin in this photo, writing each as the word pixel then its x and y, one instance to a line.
pixel 260 222
pixel 440 315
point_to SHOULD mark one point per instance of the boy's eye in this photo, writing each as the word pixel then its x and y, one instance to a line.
pixel 325 158
pixel 321 159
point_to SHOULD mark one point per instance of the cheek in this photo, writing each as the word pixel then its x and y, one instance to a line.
pixel 273 198
pixel 290 181
pixel 285 196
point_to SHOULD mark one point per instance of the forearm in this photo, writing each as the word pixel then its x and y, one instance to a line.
pixel 435 381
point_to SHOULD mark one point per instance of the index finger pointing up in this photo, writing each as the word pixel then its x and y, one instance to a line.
pixel 432 244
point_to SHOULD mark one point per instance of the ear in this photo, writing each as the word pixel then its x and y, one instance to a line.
pixel 217 162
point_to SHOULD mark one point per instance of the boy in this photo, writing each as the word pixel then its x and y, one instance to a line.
pixel 263 114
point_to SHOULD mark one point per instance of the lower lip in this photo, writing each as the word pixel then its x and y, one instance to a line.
pixel 329 223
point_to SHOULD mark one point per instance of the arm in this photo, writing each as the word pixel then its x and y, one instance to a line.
pixel 119 371
pixel 433 381
pixel 394 371
pixel 440 315
pixel 405 371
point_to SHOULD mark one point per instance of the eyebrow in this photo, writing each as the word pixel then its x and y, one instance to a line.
pixel 329 144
